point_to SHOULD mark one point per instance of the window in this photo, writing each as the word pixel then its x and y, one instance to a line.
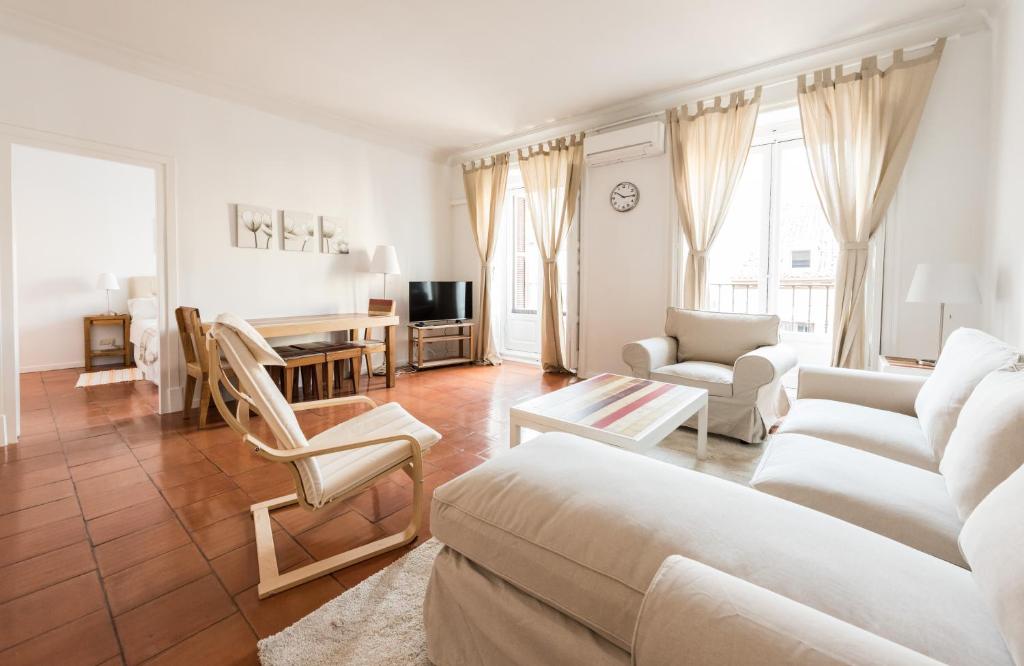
pixel 525 258
pixel 775 252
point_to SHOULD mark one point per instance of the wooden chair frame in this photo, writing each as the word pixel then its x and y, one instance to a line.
pixel 272 580
pixel 190 330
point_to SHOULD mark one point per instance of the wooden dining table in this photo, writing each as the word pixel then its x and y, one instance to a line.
pixel 280 327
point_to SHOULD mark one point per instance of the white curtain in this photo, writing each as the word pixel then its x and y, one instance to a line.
pixel 858 129
pixel 485 182
pixel 709 150
pixel 551 176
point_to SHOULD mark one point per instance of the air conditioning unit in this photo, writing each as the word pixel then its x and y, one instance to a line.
pixel 629 143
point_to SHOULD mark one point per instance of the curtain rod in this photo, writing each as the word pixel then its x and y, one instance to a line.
pixel 778 82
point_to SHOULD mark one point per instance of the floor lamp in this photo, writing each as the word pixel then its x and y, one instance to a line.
pixel 385 262
pixel 943 284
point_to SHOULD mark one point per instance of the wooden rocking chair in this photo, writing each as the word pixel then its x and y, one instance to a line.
pixel 336 464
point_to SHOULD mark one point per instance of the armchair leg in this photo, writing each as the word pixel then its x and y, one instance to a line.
pixel 273 581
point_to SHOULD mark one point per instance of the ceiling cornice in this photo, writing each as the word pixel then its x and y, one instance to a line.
pixel 965 20
pixel 152 67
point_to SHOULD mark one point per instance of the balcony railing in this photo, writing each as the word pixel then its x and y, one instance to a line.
pixel 803 306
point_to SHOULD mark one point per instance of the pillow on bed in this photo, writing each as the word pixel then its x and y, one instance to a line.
pixel 142 308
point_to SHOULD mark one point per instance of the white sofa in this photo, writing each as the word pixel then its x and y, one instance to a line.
pixel 879 450
pixel 566 551
pixel 736 357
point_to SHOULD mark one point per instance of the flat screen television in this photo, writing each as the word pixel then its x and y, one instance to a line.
pixel 437 301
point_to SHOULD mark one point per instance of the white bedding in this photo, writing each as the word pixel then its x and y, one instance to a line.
pixel 145 335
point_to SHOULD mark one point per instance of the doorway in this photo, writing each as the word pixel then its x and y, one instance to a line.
pixel 55 230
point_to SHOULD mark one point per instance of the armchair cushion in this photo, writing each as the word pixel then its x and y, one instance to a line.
pixel 968 356
pixel 714 377
pixel 890 434
pixel 344 471
pixel 643 356
pixel 719 337
pixel 712 617
pixel 992 541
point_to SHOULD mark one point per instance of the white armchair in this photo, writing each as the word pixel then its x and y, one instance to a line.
pixel 736 357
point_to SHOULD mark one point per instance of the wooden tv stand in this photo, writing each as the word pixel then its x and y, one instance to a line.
pixel 425 334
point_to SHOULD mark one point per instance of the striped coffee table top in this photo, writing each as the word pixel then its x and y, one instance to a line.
pixel 625 406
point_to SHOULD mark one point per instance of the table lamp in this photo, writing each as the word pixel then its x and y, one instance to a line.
pixel 108 281
pixel 942 284
pixel 385 261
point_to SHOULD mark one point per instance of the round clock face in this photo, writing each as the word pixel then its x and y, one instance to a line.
pixel 624 197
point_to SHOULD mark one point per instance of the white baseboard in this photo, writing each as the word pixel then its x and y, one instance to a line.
pixel 43 367
pixel 175 396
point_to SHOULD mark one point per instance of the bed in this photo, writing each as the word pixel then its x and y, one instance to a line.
pixel 144 333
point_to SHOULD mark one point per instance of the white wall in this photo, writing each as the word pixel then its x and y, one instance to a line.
pixel 1004 274
pixel 74 218
pixel 225 153
pixel 939 211
pixel 626 261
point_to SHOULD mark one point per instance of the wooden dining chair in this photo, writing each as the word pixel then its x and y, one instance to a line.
pixel 369 345
pixel 193 345
pixel 329 467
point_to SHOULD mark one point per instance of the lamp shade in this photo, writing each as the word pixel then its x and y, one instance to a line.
pixel 944 283
pixel 107 281
pixel 385 260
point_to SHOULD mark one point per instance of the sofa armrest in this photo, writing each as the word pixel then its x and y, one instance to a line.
pixel 762 366
pixel 893 393
pixel 712 617
pixel 643 356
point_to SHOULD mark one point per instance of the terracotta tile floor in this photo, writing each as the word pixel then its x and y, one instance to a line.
pixel 125 536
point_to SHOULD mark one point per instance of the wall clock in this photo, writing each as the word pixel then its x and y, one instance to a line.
pixel 624 197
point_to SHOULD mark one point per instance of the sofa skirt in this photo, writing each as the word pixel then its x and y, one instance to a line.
pixel 472 616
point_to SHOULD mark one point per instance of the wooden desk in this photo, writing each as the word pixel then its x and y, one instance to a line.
pixel 279 327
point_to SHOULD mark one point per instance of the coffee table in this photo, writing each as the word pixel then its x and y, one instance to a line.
pixel 627 412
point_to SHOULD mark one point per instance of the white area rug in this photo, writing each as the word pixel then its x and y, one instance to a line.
pixel 378 622
pixel 109 377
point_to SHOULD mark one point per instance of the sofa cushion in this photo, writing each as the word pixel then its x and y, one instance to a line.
pixel 967 357
pixel 889 434
pixel 719 337
pixel 900 501
pixel 716 378
pixel 987 444
pixel 584 527
pixel 992 541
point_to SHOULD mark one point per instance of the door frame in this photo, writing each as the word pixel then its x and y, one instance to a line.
pixel 166 249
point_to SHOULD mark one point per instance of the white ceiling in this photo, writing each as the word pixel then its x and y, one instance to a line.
pixel 451 74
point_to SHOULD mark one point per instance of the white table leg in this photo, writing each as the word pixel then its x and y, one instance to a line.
pixel 702 433
pixel 515 433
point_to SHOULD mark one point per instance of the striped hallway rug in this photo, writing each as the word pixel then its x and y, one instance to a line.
pixel 109 377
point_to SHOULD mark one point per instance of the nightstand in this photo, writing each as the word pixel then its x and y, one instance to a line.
pixel 904 366
pixel 124 351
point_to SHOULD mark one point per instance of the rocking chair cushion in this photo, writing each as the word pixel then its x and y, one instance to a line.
pixel 257 344
pixel 347 470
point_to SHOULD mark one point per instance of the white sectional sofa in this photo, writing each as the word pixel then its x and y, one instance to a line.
pixel 880 451
pixel 566 551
